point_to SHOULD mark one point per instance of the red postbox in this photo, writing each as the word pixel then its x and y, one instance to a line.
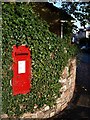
pixel 21 81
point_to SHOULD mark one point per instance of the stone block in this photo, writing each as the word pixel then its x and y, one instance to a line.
pixel 58 107
pixel 47 114
pixel 64 100
pixel 62 95
pixel 52 113
pixel 65 73
pixel 70 81
pixel 64 88
pixel 63 81
pixel 29 115
pixel 40 114
pixel 63 106
pixel 66 93
pixel 46 108
pixel 58 100
pixel 4 116
pixel 34 115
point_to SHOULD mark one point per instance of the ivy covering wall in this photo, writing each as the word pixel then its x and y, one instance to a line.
pixel 49 56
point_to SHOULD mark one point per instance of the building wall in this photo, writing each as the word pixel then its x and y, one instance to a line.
pixel 87 34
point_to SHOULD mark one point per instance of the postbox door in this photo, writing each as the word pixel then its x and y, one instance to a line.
pixel 21 71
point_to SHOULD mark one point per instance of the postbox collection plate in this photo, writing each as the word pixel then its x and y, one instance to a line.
pixel 21 81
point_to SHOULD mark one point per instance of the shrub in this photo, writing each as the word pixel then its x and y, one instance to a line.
pixel 22 26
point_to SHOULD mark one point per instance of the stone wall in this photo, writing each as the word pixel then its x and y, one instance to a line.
pixel 68 85
pixel 67 80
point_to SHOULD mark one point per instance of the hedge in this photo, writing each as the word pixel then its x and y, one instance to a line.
pixel 22 26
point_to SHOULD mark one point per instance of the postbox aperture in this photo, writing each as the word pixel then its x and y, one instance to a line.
pixel 21 81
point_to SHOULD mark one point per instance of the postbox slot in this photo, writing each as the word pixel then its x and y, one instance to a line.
pixel 21 54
